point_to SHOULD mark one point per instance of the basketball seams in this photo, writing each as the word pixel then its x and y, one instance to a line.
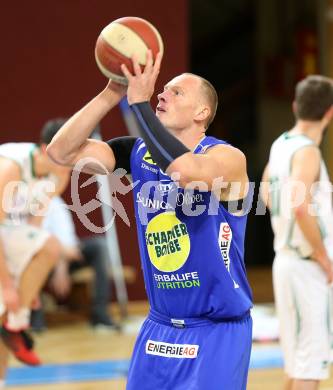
pixel 115 77
pixel 132 23
pixel 158 36
pixel 134 43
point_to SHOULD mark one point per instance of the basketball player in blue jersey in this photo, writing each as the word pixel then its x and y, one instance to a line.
pixel 198 332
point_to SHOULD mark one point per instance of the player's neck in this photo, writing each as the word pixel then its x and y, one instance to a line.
pixel 312 130
pixel 40 162
pixel 189 137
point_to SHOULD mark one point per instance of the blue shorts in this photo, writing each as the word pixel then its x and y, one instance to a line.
pixel 198 355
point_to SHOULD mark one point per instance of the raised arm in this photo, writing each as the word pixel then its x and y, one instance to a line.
pixel 72 142
pixel 221 161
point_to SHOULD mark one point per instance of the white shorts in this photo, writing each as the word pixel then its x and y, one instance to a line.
pixel 303 301
pixel 20 243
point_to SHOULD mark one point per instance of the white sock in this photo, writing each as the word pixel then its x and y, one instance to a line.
pixel 19 320
pixel 2 384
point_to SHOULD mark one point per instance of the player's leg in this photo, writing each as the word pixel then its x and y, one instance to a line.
pixel 225 356
pixel 300 384
pixel 313 346
pixel 29 262
pixel 213 355
pixel 286 312
pixel 37 271
pixel 288 383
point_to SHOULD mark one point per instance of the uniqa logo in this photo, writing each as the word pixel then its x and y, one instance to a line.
pixel 166 186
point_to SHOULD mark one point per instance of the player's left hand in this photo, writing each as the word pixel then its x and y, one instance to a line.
pixel 141 84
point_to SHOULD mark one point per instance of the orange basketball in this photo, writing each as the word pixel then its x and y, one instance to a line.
pixel 122 38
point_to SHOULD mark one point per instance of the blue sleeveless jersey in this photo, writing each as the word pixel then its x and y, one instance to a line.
pixel 191 247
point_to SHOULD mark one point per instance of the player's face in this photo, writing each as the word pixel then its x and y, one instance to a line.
pixel 178 103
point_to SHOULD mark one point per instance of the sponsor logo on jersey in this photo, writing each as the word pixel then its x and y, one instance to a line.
pixel 181 199
pixel 225 239
pixel 148 158
pixel 149 168
pixel 168 242
pixel 180 351
pixel 173 281
pixel 166 186
pixel 155 204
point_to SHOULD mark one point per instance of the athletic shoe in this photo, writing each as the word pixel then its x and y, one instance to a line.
pixel 21 345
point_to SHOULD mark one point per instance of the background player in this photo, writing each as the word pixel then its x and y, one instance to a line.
pixel 27 253
pixel 303 229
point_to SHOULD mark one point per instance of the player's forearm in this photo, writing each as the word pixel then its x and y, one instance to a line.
pixel 311 231
pixel 74 133
pixel 162 145
pixel 201 170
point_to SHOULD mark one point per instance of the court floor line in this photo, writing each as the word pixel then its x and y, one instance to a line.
pixel 262 357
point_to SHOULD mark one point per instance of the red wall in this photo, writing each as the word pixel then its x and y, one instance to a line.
pixel 48 70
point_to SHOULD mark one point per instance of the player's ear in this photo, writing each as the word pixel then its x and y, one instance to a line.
pixel 294 107
pixel 329 114
pixel 202 114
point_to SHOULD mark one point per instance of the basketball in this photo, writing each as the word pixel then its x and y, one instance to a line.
pixel 122 38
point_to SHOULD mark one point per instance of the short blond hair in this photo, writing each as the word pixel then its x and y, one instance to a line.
pixel 210 94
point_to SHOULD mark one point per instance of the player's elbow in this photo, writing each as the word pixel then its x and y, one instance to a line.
pixel 56 153
pixel 301 210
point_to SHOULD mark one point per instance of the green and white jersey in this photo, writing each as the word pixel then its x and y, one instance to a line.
pixel 287 234
pixel 25 197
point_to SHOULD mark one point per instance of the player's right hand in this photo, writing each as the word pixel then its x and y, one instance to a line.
pixel 329 274
pixel 325 262
pixel 327 266
pixel 11 298
pixel 141 84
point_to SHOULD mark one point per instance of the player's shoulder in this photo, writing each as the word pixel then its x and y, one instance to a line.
pixel 9 168
pixel 139 145
pixel 307 154
pixel 217 146
pixel 15 146
pixel 293 141
pixel 16 156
